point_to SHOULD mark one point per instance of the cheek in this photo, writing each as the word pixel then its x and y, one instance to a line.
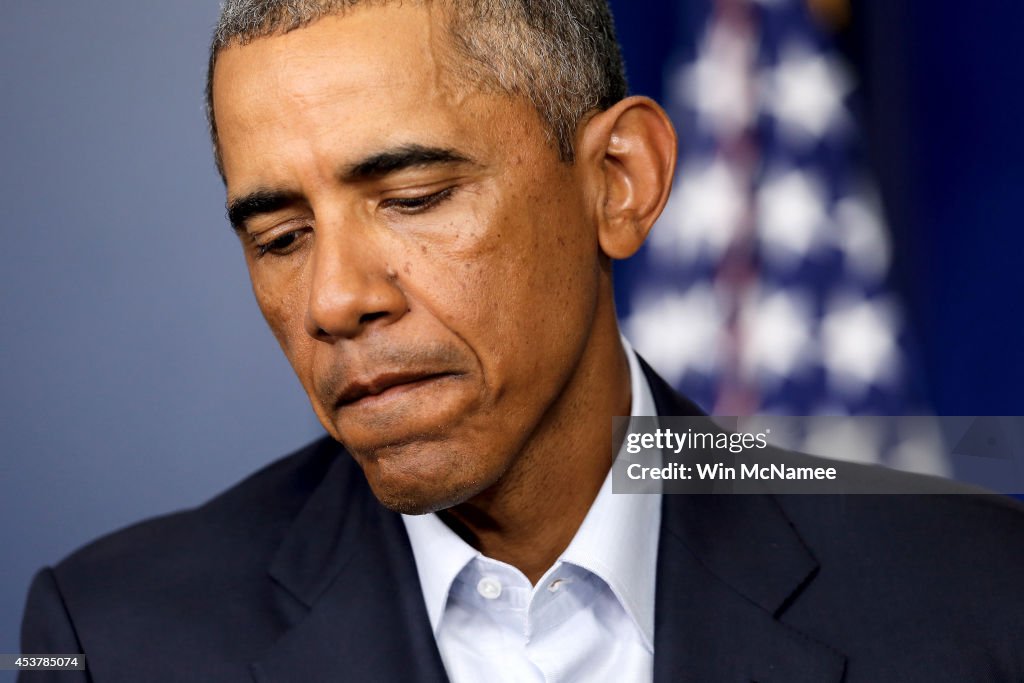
pixel 547 271
pixel 518 281
pixel 282 301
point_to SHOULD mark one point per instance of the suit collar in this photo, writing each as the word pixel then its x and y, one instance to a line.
pixel 707 628
pixel 323 536
pixel 745 539
pixel 728 568
pixel 352 601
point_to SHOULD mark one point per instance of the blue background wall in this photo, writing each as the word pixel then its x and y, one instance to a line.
pixel 136 374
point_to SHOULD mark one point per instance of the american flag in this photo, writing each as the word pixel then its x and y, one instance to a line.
pixel 764 286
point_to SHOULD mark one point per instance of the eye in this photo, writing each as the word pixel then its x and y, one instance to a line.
pixel 414 205
pixel 282 244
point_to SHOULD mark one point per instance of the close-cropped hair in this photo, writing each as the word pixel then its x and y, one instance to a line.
pixel 562 55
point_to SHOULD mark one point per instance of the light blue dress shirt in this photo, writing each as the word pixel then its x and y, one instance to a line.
pixel 589 618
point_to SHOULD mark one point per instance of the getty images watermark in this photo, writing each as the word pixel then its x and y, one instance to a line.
pixel 819 454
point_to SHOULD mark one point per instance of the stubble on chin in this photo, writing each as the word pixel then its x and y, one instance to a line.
pixel 409 480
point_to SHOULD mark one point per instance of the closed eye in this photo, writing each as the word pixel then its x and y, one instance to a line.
pixel 414 205
pixel 281 245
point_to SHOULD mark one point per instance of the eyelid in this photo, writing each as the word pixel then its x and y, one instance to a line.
pixel 418 202
pixel 262 247
pixel 405 205
pixel 264 223
pixel 276 230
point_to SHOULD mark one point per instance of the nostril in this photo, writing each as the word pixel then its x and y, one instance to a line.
pixel 367 318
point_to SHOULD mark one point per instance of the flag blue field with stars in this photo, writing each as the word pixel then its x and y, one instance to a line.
pixel 764 285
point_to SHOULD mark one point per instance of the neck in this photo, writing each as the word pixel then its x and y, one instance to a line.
pixel 529 517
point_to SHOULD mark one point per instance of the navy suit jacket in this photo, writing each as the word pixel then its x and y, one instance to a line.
pixel 298 574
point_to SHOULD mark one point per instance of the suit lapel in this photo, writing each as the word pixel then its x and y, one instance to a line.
pixel 351 602
pixel 728 567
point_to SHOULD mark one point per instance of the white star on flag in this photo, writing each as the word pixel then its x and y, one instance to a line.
pixel 776 328
pixel 805 92
pixel 702 213
pixel 678 332
pixel 858 345
pixel 717 85
pixel 792 212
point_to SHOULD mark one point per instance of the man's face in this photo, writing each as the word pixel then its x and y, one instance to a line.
pixel 429 266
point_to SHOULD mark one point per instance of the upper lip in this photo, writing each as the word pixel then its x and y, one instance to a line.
pixel 377 384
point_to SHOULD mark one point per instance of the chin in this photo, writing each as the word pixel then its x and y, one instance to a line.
pixel 417 484
pixel 419 500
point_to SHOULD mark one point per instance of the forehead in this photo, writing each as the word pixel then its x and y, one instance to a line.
pixel 366 37
pixel 346 86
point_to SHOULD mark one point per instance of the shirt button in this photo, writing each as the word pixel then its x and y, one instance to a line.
pixel 556 584
pixel 489 587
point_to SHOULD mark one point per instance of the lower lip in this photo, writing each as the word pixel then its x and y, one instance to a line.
pixel 396 392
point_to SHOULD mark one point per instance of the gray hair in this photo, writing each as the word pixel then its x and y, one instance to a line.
pixel 562 55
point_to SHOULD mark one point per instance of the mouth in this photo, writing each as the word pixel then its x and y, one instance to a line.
pixel 385 386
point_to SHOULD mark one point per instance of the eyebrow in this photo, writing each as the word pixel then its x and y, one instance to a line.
pixel 259 202
pixel 373 167
pixel 398 159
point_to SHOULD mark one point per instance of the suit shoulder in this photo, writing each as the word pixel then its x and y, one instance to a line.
pixel 950 539
pixel 939 574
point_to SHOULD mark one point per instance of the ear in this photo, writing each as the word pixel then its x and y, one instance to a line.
pixel 630 153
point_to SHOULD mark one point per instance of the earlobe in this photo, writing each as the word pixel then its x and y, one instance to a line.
pixel 635 146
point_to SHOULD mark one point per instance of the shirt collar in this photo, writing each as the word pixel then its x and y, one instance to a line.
pixel 617 541
pixel 440 555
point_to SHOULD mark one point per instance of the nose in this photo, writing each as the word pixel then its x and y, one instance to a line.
pixel 352 287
